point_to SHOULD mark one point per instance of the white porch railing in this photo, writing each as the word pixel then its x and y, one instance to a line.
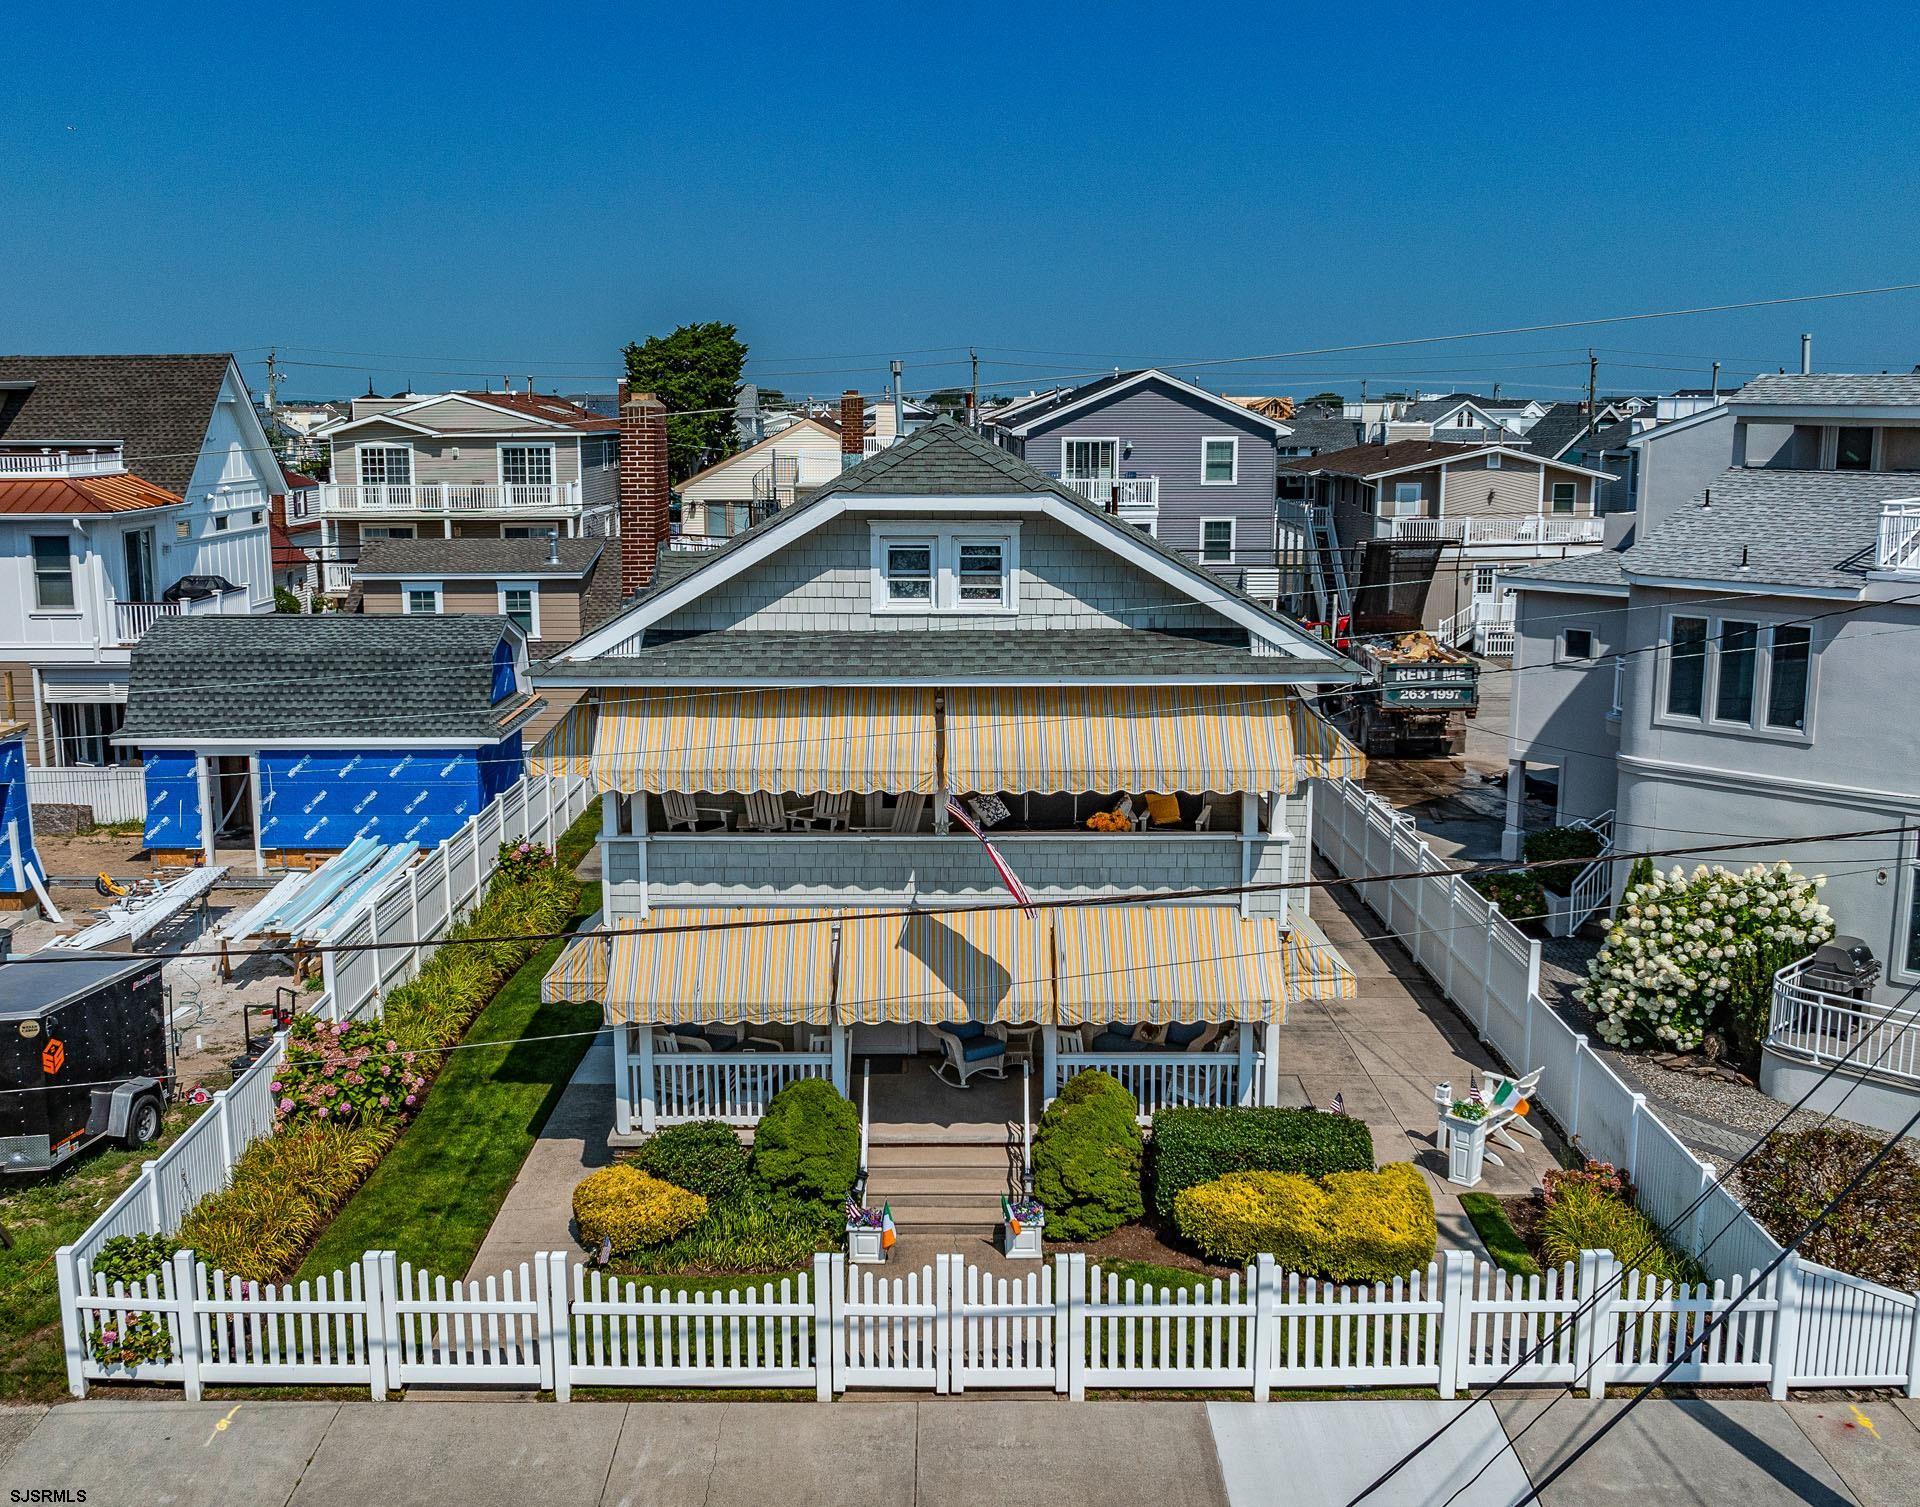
pixel 1592 887
pixel 1824 1027
pixel 1531 528
pixel 1899 547
pixel 732 1086
pixel 440 497
pixel 336 576
pixel 1167 1079
pixel 63 463
pixel 697 541
pixel 131 620
pixel 1137 496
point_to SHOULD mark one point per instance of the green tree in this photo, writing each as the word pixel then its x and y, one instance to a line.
pixel 696 367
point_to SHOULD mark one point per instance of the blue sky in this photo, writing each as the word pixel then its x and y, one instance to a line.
pixel 431 195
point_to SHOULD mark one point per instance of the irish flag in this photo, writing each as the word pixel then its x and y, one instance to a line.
pixel 888 1234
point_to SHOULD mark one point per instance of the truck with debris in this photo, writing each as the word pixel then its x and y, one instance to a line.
pixel 1416 699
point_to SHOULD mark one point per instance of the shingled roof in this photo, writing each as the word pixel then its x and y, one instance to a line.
pixel 159 407
pixel 1844 389
pixel 280 678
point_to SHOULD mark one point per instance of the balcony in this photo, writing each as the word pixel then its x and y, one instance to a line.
pixel 1899 545
pixel 131 620
pixel 437 499
pixel 1531 528
pixel 1837 1029
pixel 43 463
pixel 1135 498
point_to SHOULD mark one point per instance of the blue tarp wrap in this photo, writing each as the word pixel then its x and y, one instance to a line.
pixel 173 799
pixel 327 799
pixel 14 803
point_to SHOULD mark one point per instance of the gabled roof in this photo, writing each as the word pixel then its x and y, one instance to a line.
pixel 1062 404
pixel 157 406
pixel 1317 435
pixel 542 410
pixel 547 409
pixel 1556 429
pixel 58 496
pixel 829 431
pixel 939 462
pixel 505 559
pixel 1368 462
pixel 330 679
pixel 1439 408
pixel 1863 390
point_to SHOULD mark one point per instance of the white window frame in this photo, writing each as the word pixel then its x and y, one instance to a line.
pixel 1568 657
pixel 1220 439
pixel 1756 726
pixel 70 607
pixel 1898 968
pixel 500 462
pixel 1233 541
pixel 1067 441
pixel 532 589
pixel 1491 574
pixel 408 588
pixel 378 531
pixel 367 447
pixel 1400 503
pixel 943 542
pixel 1573 501
pixel 1495 461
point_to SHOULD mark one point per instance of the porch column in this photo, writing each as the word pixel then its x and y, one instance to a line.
pixel 637 825
pixel 1049 1064
pixel 838 1046
pixel 1249 835
pixel 1243 1045
pixel 1515 832
pixel 203 766
pixel 253 797
pixel 446 528
pixel 1277 832
pixel 622 1081
pixel 1270 1068
pixel 649 1113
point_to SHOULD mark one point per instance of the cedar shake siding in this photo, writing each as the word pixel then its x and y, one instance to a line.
pixel 1164 429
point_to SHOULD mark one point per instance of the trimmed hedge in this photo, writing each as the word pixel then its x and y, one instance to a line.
pixel 1086 1158
pixel 630 1209
pixel 1579 845
pixel 1193 1146
pixel 754 1231
pixel 807 1144
pixel 1349 1226
pixel 702 1156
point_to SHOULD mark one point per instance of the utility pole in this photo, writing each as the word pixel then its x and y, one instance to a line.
pixel 973 391
pixel 273 380
pixel 1593 390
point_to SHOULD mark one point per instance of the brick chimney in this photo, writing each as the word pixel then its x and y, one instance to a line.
pixel 853 428
pixel 643 487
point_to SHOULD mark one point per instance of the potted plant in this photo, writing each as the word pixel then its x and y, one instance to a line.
pixel 864 1229
pixel 1466 1142
pixel 1023 1224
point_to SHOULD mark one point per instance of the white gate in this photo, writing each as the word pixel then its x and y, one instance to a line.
pixel 887 1330
pixel 476 1333
pixel 1005 1331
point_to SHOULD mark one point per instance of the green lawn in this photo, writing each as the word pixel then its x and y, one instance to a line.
pixel 435 1193
pixel 1497 1233
pixel 41 1215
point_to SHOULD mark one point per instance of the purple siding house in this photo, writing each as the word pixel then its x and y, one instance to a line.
pixel 1194 469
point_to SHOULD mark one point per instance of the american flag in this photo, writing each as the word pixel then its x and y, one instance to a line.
pixel 1000 866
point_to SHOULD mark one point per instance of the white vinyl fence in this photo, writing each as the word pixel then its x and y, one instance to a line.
pixel 1064 1327
pixel 417 904
pixel 116 793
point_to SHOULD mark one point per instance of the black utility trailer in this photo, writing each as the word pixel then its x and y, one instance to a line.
pixel 84 1054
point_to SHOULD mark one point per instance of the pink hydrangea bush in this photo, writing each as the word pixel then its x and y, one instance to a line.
pixel 348 1074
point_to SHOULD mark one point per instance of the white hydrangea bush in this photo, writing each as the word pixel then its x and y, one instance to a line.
pixel 1688 953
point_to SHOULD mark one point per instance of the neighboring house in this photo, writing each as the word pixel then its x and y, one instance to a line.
pixel 552 590
pixel 296 735
pixel 1738 669
pixel 777 725
pixel 1194 469
pixel 1460 418
pixel 131 488
pixel 1498 504
pixel 731 495
pixel 297 547
pixel 477 465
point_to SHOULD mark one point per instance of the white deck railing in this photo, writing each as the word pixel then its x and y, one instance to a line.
pixel 441 497
pixel 1168 1079
pixel 1530 528
pixel 1824 1027
pixel 732 1086
pixel 1137 495
pixel 63 463
pixel 1899 547
pixel 132 620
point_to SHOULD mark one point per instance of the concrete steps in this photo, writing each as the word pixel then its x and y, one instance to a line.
pixel 942 1188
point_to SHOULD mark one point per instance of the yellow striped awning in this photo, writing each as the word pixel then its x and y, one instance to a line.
pixel 993 966
pixel 567 749
pixel 1059 738
pixel 683 966
pixel 579 974
pixel 803 740
pixel 1185 963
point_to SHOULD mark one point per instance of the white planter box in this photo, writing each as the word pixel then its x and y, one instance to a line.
pixel 1466 1150
pixel 863 1246
pixel 1024 1246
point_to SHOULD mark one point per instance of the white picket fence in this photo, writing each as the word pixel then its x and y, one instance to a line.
pixel 1490 971
pixel 1065 1327
pixel 416 904
pixel 115 793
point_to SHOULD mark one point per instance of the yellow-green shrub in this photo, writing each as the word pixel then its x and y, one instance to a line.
pixel 1350 1226
pixel 631 1209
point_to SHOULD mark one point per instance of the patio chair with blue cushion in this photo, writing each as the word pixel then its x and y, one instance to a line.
pixel 970 1049
pixel 1118 1036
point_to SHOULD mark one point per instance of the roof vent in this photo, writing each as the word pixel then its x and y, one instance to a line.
pixel 1743 558
pixel 1706 499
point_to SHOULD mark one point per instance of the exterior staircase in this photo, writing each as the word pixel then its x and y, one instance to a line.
pixel 944 1188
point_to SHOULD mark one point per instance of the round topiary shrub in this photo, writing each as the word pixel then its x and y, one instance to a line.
pixel 1086 1158
pixel 807 1144
pixel 702 1156
pixel 1348 1226
pixel 630 1210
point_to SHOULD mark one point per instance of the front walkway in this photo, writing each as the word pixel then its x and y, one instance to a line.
pixel 975 1451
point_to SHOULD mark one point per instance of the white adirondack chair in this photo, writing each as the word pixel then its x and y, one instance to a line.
pixel 683 811
pixel 765 812
pixel 906 814
pixel 830 811
pixel 1503 1097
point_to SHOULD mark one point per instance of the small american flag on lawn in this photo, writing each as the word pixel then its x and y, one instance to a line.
pixel 1000 866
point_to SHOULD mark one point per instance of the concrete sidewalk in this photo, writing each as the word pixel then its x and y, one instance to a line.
pixel 964 1452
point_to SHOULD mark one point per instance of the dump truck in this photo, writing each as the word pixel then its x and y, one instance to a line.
pixel 1417 697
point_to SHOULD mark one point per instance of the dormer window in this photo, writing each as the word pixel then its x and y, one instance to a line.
pixel 961 568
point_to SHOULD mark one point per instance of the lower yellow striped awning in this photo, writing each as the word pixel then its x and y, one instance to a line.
pixel 679 967
pixel 1170 737
pixel 567 749
pixel 993 966
pixel 1186 963
pixel 802 740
